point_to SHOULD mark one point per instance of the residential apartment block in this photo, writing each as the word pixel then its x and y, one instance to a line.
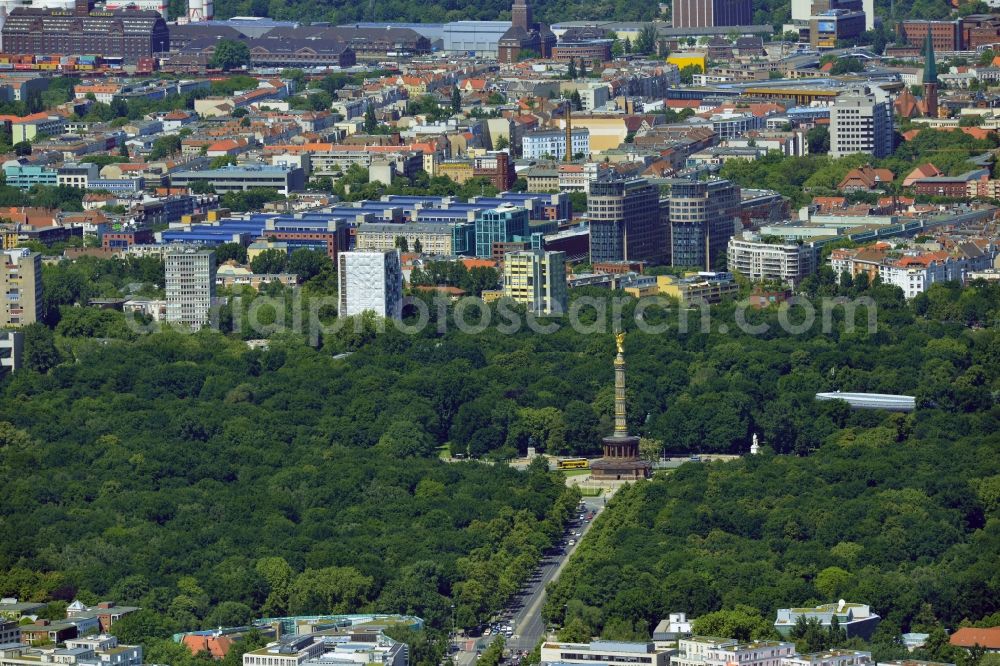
pixel 537 280
pixel 693 651
pixel 912 271
pixel 21 286
pixel 370 281
pixel 190 286
pixel 552 143
pixel 758 653
pixel 757 259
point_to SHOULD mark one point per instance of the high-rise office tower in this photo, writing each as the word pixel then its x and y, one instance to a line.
pixel 708 13
pixel 625 220
pixel 703 217
pixel 190 286
pixel 502 224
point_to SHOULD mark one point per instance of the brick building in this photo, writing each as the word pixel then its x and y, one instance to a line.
pixel 945 35
pixel 130 35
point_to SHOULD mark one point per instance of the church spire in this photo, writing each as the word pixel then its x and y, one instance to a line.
pixel 930 67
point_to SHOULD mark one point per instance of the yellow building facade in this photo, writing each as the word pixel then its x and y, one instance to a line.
pixel 683 59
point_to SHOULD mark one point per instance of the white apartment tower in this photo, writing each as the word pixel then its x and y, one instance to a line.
pixel 370 280
pixel 537 280
pixel 861 122
pixel 190 285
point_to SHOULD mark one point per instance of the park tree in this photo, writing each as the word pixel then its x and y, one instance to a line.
pixel 645 42
pixel 308 263
pixel 231 251
pixel 269 261
pixel 330 590
pixel 371 122
pixel 230 54
pixel 40 353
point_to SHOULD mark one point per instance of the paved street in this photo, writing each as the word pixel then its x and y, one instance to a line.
pixel 525 610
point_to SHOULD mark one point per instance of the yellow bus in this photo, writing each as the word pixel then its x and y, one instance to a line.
pixel 574 463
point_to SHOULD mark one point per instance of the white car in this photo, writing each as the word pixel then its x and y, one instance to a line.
pixel 572 542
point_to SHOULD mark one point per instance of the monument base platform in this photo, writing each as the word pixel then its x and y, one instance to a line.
pixel 617 469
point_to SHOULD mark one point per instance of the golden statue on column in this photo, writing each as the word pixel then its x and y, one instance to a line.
pixel 621 451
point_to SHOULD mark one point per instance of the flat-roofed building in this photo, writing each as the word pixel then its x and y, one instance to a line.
pixel 626 220
pixel 14 609
pixel 830 658
pixel 536 279
pixel 855 619
pixel 240 178
pixel 610 653
pixel 861 121
pixel 757 653
pixel 757 259
pixel 692 651
pixel 703 217
pixel 21 289
pixel 432 238
pixel 504 224
pixel 190 286
pixel 10 630
pixel 552 143
pixel 370 280
pixel 705 287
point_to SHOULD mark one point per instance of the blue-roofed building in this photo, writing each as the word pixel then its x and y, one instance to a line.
pixel 323 231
